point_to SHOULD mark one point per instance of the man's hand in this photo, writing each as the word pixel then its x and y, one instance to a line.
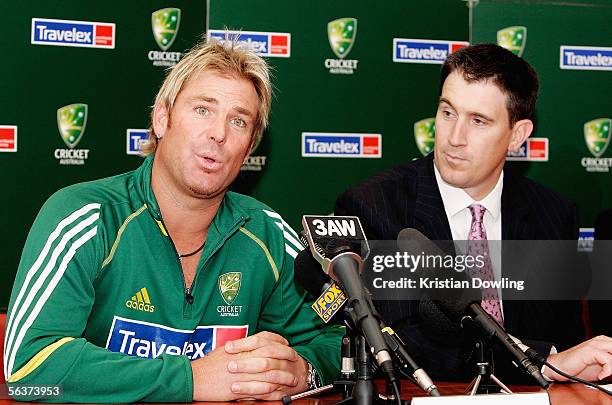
pixel 262 366
pixel 590 360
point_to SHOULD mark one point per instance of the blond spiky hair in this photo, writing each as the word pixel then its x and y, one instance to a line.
pixel 227 58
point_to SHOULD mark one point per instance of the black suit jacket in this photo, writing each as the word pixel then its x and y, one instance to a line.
pixel 407 196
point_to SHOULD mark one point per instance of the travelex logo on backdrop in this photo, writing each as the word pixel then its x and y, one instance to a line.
pixel 585 58
pixel 8 138
pixel 341 34
pixel 151 340
pixel 597 139
pixel 165 24
pixel 532 150
pixel 135 138
pixel 320 144
pixel 513 39
pixel 86 34
pixel 586 239
pixel 425 135
pixel 406 50
pixel 267 44
pixel 71 122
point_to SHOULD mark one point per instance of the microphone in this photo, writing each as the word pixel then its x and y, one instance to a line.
pixel 333 241
pixel 309 274
pixel 492 330
pixel 464 308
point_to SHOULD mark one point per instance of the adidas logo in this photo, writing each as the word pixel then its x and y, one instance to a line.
pixel 140 301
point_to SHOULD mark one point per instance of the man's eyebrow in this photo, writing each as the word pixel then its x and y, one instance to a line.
pixel 212 100
pixel 244 111
pixel 444 100
pixel 204 98
pixel 477 113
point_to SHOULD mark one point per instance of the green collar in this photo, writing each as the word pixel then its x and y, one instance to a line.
pixel 229 213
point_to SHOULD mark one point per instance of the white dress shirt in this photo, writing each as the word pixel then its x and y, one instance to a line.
pixel 456 204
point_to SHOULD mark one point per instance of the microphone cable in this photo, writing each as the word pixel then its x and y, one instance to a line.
pixel 539 359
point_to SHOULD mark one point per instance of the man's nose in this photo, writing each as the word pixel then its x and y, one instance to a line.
pixel 457 136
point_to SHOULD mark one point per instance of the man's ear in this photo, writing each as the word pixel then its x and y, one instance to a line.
pixel 520 132
pixel 160 120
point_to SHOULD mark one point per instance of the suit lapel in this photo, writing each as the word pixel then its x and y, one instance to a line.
pixel 516 225
pixel 430 216
pixel 515 211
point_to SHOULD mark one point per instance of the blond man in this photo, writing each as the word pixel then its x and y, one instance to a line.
pixel 176 288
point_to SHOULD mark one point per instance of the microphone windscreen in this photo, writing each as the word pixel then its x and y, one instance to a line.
pixel 411 234
pixel 308 273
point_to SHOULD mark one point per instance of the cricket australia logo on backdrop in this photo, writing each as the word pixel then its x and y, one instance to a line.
pixel 254 163
pixel 513 39
pixel 229 287
pixel 341 34
pixel 165 24
pixel 71 122
pixel 424 135
pixel 597 138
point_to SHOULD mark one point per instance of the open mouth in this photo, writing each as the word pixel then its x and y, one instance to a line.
pixel 208 162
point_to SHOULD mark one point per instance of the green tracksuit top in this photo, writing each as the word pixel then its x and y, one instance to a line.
pixel 99 303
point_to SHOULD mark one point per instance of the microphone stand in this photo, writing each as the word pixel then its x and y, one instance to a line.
pixel 364 390
pixel 356 383
pixel 485 382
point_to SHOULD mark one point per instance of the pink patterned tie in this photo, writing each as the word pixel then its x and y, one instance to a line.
pixel 477 245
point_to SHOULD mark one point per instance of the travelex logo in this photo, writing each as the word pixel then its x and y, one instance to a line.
pixel 532 150
pixel 141 301
pixel 71 122
pixel 165 24
pixel 8 138
pixel 320 144
pixel 513 39
pixel 135 138
pixel 597 138
pixel 341 34
pixel 268 44
pixel 86 34
pixel 585 58
pixel 329 303
pixel 586 239
pixel 424 50
pixel 425 135
pixel 151 340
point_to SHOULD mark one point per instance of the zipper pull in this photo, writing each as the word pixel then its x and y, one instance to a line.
pixel 188 295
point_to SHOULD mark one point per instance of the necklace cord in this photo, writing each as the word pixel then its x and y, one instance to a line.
pixel 194 252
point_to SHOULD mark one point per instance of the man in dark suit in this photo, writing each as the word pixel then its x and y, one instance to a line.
pixel 487 99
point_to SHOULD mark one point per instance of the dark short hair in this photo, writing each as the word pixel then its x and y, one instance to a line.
pixel 512 74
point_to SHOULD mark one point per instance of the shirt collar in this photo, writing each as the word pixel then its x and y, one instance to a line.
pixel 455 199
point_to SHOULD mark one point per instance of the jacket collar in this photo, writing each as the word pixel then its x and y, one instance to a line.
pixel 430 216
pixel 516 224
